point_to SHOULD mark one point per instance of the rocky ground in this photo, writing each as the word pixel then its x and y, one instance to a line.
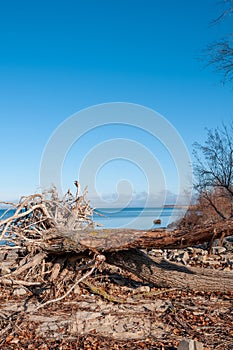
pixel 115 310
pixel 220 257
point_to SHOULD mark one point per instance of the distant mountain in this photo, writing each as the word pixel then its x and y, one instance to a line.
pixel 139 200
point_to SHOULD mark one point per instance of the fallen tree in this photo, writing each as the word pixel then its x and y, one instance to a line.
pixel 57 246
pixel 165 274
pixel 121 239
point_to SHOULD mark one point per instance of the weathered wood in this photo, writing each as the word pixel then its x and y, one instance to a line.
pixel 36 260
pixel 122 239
pixel 165 274
pixel 121 247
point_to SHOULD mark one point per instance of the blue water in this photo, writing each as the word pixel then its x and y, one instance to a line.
pixel 138 218
pixel 5 214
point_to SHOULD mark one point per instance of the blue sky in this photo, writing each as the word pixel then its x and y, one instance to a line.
pixel 58 57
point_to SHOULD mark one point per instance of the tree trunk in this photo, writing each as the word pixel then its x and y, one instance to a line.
pixel 122 239
pixel 121 248
pixel 165 274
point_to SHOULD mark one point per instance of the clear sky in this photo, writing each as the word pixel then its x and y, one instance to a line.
pixel 58 57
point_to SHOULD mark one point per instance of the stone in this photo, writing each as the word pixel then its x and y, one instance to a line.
pixel 227 268
pixel 202 258
pixel 199 251
pixel 142 289
pixel 184 258
pixel 171 255
pixel 218 250
pixel 213 262
pixel 190 249
pixel 180 252
pixel 228 246
pixel 156 252
pixel 229 262
pixel 189 344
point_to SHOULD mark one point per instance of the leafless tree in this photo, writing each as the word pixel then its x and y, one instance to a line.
pixel 220 54
pixel 213 168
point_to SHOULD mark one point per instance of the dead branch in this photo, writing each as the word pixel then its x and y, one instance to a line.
pixel 56 238
pixel 70 290
pixel 39 212
pixel 32 263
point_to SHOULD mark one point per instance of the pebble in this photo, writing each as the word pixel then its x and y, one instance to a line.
pixel 156 252
pixel 142 289
pixel 202 258
pixel 218 250
pixel 184 257
pixel 199 251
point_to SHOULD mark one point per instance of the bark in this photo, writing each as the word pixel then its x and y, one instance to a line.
pixel 121 248
pixel 165 274
pixel 122 239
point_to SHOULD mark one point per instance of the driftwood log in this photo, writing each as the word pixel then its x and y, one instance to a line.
pixel 46 232
pixel 122 239
pixel 122 248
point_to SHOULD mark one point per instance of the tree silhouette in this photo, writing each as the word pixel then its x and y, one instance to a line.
pixel 213 169
pixel 220 54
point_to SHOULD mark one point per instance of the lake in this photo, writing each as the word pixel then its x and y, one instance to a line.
pixel 137 218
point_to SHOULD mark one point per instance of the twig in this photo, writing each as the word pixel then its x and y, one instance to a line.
pixel 9 326
pixel 19 216
pixel 69 291
pixel 35 261
pixel 11 282
pixel 7 279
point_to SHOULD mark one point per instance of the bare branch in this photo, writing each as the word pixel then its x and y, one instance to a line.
pixel 220 54
pixel 213 170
